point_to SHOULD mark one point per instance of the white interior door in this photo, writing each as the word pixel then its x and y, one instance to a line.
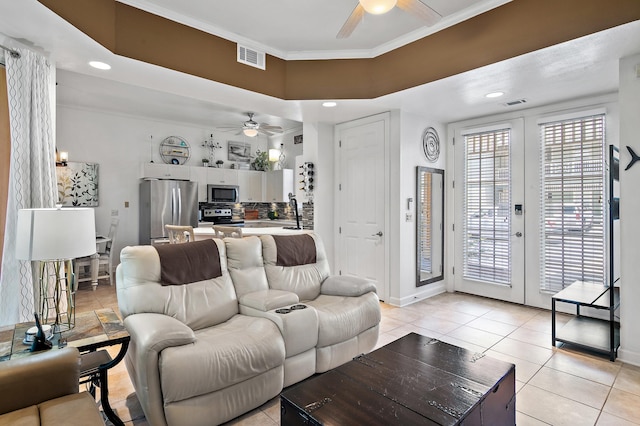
pixel 361 216
pixel 489 228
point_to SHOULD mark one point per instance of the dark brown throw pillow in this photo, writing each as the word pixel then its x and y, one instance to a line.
pixel 189 262
pixel 295 250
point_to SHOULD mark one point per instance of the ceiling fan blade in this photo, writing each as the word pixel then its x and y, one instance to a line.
pixel 264 126
pixel 420 11
pixel 352 22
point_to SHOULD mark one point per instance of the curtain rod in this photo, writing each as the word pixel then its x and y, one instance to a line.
pixel 11 51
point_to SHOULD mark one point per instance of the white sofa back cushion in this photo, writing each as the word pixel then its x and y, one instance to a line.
pixel 304 280
pixel 198 305
pixel 244 259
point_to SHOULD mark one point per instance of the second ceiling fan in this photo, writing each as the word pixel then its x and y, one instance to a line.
pixel 252 128
pixel 378 7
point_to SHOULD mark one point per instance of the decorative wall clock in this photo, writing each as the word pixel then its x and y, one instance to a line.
pixel 431 144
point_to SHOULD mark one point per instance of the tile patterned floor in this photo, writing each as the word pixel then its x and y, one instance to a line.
pixel 555 386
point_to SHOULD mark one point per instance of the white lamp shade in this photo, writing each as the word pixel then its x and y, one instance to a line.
pixel 52 234
pixel 250 132
pixel 274 154
pixel 378 7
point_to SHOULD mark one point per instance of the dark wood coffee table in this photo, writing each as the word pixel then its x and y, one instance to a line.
pixel 413 380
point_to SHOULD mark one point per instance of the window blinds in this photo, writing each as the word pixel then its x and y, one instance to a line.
pixel 487 197
pixel 572 191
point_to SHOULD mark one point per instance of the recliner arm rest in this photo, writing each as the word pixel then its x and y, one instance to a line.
pixel 155 332
pixel 342 285
pixel 266 300
pixel 38 378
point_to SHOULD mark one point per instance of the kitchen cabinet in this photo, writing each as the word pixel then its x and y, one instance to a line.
pixel 217 176
pixel 199 175
pixel 278 186
pixel 251 185
pixel 165 171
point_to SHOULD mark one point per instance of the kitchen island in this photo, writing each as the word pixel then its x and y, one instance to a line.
pixel 203 233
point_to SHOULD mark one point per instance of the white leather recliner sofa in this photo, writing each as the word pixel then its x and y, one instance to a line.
pixel 219 327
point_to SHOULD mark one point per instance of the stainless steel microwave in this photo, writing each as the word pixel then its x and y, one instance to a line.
pixel 223 194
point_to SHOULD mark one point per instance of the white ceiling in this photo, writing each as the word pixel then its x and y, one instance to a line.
pixel 582 67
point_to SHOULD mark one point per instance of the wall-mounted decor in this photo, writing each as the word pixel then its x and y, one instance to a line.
pixel 78 184
pixel 431 144
pixel 175 150
pixel 634 157
pixel 297 139
pixel 239 152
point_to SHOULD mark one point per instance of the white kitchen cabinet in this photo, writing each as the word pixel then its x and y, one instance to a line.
pixel 165 171
pixel 199 174
pixel 279 185
pixel 251 185
pixel 216 176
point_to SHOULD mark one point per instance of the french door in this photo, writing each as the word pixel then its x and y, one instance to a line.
pixel 544 215
pixel 489 211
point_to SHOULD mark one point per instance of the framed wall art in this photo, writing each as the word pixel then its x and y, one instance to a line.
pixel 78 184
pixel 239 152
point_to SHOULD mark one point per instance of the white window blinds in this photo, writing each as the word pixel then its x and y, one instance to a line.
pixel 487 197
pixel 572 191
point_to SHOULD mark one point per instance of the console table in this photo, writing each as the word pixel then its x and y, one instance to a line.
pixel 415 380
pixel 94 331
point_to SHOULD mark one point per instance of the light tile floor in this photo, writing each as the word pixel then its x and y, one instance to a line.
pixel 555 386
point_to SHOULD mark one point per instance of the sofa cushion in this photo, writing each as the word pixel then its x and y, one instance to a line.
pixel 29 416
pixel 341 318
pixel 189 262
pixel 78 409
pixel 304 280
pixel 221 356
pixel 244 259
pixel 198 305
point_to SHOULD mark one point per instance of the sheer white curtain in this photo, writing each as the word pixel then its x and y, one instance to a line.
pixel 32 180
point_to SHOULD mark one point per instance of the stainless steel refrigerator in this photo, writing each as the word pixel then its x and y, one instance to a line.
pixel 166 202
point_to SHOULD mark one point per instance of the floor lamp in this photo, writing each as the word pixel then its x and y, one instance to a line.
pixel 54 237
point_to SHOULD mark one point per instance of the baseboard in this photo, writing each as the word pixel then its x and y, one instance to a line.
pixel 630 357
pixel 422 293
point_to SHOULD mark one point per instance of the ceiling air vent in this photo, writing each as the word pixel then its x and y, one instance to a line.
pixel 251 57
pixel 516 102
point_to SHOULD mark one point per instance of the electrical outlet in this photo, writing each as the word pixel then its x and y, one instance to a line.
pixel 114 212
pixel 408 217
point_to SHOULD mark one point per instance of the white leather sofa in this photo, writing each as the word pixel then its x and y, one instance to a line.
pixel 211 343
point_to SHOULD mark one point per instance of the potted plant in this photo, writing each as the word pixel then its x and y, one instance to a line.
pixel 219 164
pixel 261 161
pixel 205 162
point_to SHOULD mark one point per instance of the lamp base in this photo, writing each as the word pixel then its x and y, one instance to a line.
pixel 57 294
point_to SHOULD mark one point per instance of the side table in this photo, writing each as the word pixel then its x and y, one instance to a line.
pixel 94 331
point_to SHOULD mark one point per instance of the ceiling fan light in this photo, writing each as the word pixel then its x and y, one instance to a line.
pixel 378 7
pixel 252 133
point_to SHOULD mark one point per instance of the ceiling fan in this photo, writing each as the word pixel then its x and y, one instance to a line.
pixel 252 128
pixel 378 7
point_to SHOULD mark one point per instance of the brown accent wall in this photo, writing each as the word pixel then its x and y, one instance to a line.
pixel 516 28
pixel 5 154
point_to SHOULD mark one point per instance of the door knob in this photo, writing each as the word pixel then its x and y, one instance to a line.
pixel 518 234
pixel 378 234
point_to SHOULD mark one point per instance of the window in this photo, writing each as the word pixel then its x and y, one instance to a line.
pixel 487 197
pixel 572 191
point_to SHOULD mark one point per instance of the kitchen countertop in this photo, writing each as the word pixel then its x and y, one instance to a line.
pixel 206 233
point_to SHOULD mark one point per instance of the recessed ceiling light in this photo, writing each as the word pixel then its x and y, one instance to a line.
pixel 329 104
pixel 100 65
pixel 494 94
